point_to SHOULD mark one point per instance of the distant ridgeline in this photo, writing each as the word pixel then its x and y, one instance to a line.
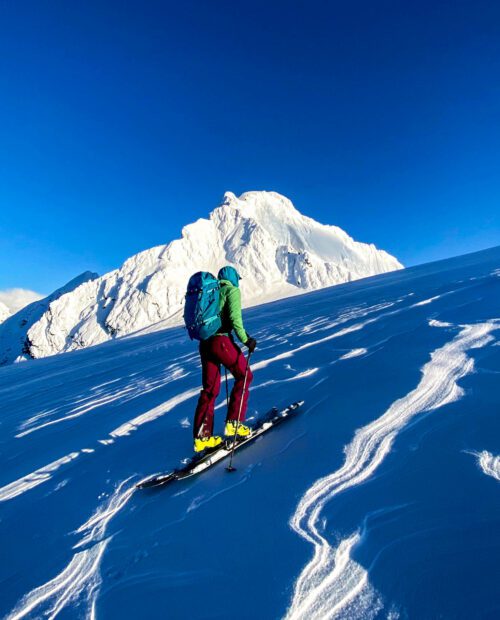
pixel 278 251
pixel 15 343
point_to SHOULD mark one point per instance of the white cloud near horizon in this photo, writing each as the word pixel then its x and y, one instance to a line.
pixel 17 298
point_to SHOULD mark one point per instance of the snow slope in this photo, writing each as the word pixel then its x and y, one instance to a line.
pixel 354 509
pixel 278 251
pixel 15 343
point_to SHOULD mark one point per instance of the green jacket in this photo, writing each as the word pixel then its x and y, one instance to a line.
pixel 230 311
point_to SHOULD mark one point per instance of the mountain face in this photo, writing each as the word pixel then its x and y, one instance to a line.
pixel 277 251
pixel 386 479
pixel 14 330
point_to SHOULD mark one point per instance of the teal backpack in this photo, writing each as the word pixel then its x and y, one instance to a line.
pixel 201 309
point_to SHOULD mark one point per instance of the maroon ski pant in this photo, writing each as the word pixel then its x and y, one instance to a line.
pixel 215 351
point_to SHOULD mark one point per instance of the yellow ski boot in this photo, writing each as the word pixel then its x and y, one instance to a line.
pixel 202 443
pixel 243 429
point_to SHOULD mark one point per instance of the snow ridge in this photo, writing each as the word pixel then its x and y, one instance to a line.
pixel 278 251
pixel 320 591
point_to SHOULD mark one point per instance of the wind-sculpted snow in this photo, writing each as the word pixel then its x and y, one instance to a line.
pixel 77 584
pixel 149 416
pixel 80 579
pixel 353 353
pixel 95 528
pixel 320 591
pixel 40 421
pixel 489 464
pixel 135 388
pixel 341 332
pixel 79 429
pixel 301 375
pixel 278 251
pixel 33 479
pixel 435 323
pixel 313 343
pixel 175 371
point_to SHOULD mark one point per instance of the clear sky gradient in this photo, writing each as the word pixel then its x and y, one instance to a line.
pixel 123 121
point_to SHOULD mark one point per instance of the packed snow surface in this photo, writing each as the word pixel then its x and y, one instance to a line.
pixel 278 251
pixel 354 508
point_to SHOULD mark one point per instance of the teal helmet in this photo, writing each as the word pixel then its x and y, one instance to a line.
pixel 229 273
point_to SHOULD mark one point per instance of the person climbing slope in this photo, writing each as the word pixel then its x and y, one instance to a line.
pixel 218 349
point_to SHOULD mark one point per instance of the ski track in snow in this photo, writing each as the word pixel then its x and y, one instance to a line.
pixel 489 463
pixel 79 582
pixel 332 585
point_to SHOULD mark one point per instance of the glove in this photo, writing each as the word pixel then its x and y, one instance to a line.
pixel 251 343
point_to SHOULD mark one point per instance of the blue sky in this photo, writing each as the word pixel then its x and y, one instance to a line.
pixel 123 121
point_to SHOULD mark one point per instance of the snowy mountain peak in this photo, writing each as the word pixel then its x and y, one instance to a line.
pixel 259 198
pixel 278 251
pixel 260 204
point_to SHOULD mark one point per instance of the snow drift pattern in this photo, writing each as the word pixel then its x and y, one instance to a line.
pixel 332 583
pixel 489 464
pixel 278 251
pixel 76 426
pixel 32 480
pixel 79 582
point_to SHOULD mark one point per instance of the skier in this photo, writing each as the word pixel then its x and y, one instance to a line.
pixel 222 349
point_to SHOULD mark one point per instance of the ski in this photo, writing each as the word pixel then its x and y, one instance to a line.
pixel 207 459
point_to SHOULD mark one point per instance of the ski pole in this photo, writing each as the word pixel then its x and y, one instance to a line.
pixel 227 390
pixel 230 466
